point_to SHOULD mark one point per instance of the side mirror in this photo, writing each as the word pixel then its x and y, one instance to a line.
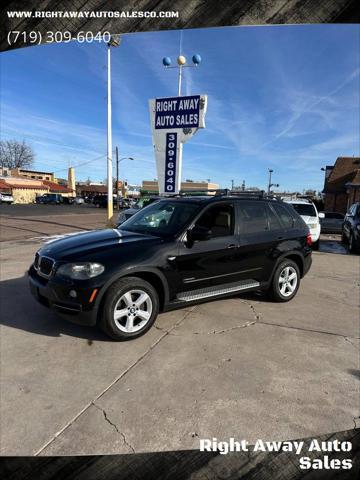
pixel 321 215
pixel 199 233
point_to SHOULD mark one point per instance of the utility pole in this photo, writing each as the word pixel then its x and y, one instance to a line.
pixel 117 178
pixel 118 160
pixel 114 42
pixel 232 184
pixel 110 211
pixel 269 184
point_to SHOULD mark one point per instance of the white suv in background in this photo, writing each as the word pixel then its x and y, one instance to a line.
pixel 308 212
pixel 6 198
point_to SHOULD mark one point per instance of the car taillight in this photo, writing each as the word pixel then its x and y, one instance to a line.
pixel 308 240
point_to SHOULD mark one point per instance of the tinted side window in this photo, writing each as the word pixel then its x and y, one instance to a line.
pixel 274 222
pixel 220 219
pixel 253 217
pixel 286 218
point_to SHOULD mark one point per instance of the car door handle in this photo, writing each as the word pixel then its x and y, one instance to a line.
pixel 280 238
pixel 232 245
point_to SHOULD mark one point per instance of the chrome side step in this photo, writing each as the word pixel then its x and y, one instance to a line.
pixel 216 290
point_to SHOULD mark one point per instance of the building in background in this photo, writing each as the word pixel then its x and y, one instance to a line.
pixel 33 174
pixel 84 189
pixel 26 185
pixel 151 186
pixel 25 190
pixel 342 185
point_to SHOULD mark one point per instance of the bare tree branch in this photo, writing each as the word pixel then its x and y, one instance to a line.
pixel 15 154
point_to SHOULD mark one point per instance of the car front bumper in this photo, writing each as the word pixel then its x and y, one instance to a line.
pixel 53 297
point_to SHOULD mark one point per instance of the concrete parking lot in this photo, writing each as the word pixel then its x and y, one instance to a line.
pixel 242 367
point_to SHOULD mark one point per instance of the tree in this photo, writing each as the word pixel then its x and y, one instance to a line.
pixel 310 192
pixel 15 154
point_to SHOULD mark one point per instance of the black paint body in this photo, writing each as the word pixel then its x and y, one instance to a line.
pixel 171 264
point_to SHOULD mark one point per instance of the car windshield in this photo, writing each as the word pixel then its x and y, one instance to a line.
pixel 164 218
pixel 305 209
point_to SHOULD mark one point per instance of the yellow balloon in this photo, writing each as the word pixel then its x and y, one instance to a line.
pixel 181 60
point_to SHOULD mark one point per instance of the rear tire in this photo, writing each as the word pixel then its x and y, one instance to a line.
pixel 130 309
pixel 285 282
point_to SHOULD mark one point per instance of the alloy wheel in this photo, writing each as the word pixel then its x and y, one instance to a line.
pixel 288 280
pixel 133 311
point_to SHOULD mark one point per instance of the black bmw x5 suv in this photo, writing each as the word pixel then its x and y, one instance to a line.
pixel 175 252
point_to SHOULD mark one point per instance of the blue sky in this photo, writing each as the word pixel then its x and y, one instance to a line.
pixel 285 98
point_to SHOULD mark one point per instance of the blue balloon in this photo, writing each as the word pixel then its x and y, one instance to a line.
pixel 166 61
pixel 196 59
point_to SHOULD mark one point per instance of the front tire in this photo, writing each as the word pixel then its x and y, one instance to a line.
pixel 352 248
pixel 130 309
pixel 285 282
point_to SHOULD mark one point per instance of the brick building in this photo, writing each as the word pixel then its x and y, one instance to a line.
pixel 152 186
pixel 342 185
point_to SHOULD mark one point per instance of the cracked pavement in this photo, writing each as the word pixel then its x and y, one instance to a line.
pixel 242 366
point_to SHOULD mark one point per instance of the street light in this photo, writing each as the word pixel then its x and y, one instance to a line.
pixel 181 63
pixel 118 160
pixel 114 42
pixel 271 184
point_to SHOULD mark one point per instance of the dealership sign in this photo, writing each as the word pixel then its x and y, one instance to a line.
pixel 173 122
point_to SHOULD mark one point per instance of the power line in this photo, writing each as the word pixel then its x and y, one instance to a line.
pixel 83 163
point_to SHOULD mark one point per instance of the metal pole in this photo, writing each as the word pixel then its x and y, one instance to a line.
pixel 179 87
pixel 232 184
pixel 269 185
pixel 117 178
pixel 110 211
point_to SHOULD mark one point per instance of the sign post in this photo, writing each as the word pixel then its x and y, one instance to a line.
pixel 174 120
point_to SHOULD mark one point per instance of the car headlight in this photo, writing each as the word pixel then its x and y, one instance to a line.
pixel 312 225
pixel 80 271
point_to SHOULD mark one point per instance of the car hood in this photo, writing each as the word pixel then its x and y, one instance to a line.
pixel 74 247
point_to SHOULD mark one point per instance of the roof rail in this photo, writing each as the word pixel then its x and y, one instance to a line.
pixel 244 193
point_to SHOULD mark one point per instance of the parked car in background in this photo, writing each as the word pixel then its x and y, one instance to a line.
pixel 50 199
pixel 126 202
pixel 79 201
pixel 174 253
pixel 6 198
pixel 102 201
pixel 331 222
pixel 141 203
pixel 308 212
pixel 68 200
pixel 351 228
pixel 89 198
